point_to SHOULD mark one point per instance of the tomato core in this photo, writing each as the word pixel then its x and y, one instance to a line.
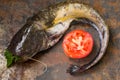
pixel 77 44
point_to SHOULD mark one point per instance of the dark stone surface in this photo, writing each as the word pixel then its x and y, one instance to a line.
pixel 13 15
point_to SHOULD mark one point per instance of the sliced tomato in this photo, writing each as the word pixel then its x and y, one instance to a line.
pixel 77 44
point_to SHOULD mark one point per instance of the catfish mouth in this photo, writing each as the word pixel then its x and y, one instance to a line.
pixel 81 65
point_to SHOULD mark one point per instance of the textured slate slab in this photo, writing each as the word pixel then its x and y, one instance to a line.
pixel 13 15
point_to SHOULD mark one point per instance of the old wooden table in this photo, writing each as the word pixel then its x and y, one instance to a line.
pixel 13 15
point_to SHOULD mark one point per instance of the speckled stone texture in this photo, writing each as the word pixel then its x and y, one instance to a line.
pixel 13 15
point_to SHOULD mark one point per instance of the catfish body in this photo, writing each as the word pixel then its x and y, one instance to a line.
pixel 45 29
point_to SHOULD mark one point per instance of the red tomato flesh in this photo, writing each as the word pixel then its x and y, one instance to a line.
pixel 77 44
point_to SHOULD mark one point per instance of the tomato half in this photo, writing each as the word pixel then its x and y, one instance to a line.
pixel 77 44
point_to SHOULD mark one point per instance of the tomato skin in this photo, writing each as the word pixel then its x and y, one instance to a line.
pixel 77 44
